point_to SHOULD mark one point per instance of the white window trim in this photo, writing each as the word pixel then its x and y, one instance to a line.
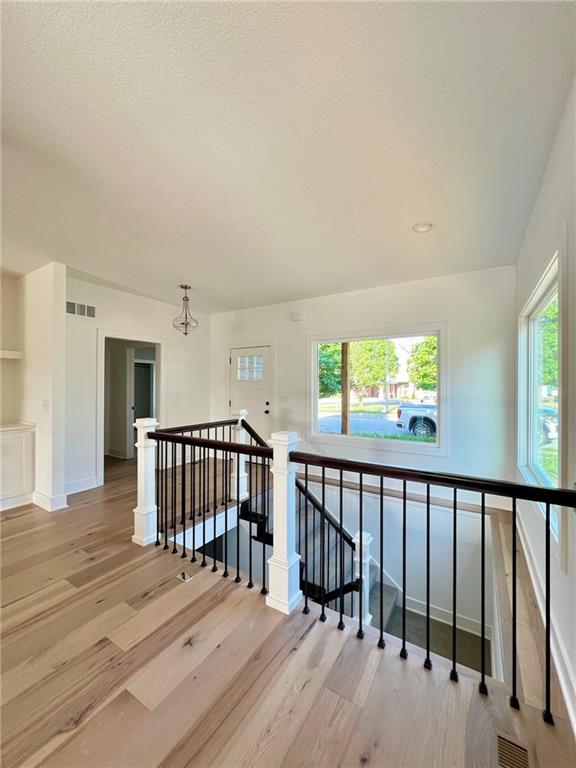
pixel 553 275
pixel 440 448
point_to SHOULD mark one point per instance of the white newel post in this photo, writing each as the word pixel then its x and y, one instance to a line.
pixel 365 586
pixel 284 565
pixel 240 470
pixel 145 511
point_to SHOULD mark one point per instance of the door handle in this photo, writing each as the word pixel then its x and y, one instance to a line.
pixel 266 411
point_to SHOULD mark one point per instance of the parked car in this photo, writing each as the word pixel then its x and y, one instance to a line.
pixel 548 425
pixel 419 419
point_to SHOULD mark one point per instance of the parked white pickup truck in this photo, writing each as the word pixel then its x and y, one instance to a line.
pixel 419 419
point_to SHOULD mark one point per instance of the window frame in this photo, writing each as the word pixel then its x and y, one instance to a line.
pixel 439 448
pixel 552 278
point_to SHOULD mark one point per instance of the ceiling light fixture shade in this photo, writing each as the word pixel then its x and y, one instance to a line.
pixel 185 322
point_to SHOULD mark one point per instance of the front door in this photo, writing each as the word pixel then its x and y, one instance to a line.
pixel 251 386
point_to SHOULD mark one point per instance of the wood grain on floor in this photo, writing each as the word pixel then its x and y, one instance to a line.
pixel 109 661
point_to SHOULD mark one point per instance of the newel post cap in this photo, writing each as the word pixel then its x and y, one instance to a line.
pixel 147 423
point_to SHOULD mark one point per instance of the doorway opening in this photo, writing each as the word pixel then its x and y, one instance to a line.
pixel 130 393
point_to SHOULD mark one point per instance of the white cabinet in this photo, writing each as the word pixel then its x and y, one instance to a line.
pixel 16 464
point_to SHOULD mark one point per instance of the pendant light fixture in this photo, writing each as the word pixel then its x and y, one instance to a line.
pixel 185 322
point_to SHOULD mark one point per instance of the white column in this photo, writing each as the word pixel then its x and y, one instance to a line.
pixel 284 566
pixel 365 586
pixel 145 511
pixel 240 470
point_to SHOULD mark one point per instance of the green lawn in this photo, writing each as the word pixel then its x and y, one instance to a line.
pixel 407 438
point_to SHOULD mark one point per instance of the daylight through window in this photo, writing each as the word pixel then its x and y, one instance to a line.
pixel 385 388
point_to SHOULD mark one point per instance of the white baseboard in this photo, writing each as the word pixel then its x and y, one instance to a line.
pixel 82 485
pixel 49 503
pixel 465 623
pixel 564 667
pixel 116 454
pixel 15 501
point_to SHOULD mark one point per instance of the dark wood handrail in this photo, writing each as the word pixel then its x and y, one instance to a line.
pixel 195 427
pixel 216 445
pixel 317 504
pixel 252 432
pixel 562 497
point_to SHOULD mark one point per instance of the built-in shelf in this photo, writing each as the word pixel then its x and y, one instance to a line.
pixel 10 354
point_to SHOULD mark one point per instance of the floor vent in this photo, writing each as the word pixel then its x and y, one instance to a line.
pixel 511 755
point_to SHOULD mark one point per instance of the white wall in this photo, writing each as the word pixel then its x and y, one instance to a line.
pixel 42 304
pixel 554 211
pixel 478 310
pixel 10 339
pixel 183 369
pixel 468 553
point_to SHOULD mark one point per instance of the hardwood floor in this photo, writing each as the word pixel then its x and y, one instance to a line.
pixel 109 660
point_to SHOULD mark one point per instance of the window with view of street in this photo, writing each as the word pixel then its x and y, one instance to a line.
pixel 544 390
pixel 382 388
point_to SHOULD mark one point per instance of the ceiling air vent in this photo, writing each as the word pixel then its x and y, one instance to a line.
pixel 70 307
pixel 511 755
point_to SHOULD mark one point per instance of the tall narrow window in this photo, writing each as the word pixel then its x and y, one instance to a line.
pixel 544 389
pixel 381 388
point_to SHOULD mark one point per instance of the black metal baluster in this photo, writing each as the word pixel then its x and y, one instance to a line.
pixel 381 642
pixel 173 497
pixel 341 508
pixel 482 687
pixel 215 508
pixel 183 498
pixel 514 697
pixel 403 650
pixel 193 501
pixel 225 497
pixel 229 465
pixel 251 510
pixel 223 468
pixel 547 713
pixel 360 632
pixel 306 606
pixel 204 484
pixel 237 579
pixel 165 496
pixel 264 591
pixel 207 485
pixel 157 493
pixel 428 660
pixel 323 548
pixel 453 672
pixel 200 478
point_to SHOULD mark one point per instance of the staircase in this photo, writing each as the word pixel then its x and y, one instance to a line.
pixel 330 592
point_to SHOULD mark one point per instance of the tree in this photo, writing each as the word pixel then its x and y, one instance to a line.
pixel 373 362
pixel 423 364
pixel 330 369
pixel 548 343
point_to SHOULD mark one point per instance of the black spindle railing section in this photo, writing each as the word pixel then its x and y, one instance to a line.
pixel 196 479
pixel 351 483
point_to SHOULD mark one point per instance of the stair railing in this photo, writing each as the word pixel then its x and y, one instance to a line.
pixel 178 481
pixel 362 477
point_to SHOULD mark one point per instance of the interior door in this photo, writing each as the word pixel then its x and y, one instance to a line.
pixel 251 386
pixel 142 390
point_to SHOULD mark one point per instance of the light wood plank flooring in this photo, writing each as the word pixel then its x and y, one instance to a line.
pixel 109 660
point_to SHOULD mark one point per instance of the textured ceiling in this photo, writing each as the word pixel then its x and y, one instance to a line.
pixel 266 152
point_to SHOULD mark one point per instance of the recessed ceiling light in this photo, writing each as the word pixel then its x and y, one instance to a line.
pixel 423 226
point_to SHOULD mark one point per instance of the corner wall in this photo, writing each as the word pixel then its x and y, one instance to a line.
pixel 183 369
pixel 554 213
pixel 42 306
pixel 477 309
